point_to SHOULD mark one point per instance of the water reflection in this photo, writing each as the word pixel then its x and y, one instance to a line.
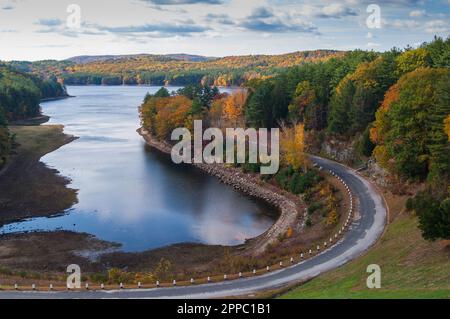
pixel 131 194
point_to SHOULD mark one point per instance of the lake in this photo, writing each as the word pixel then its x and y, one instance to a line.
pixel 131 194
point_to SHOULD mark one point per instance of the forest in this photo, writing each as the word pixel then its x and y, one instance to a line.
pixel 20 95
pixel 393 106
pixel 171 69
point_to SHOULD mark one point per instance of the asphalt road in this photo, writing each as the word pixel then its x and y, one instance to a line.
pixel 366 228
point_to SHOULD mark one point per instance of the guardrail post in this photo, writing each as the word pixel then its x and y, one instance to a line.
pixel 33 287
pixel 281 264
pixel 192 281
pixel 208 279
pixel 50 287
pixel 102 287
pixel 121 285
pixel 157 284
pixel 292 260
pixel 16 286
pixel 240 275
pixel 268 268
pixel 225 277
pixel 174 283
pixel 139 285
pixel 87 286
pixel 254 271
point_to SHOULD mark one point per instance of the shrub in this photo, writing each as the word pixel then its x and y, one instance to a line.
pixel 314 207
pixel 118 276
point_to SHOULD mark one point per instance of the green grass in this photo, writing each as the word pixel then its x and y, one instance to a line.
pixel 411 268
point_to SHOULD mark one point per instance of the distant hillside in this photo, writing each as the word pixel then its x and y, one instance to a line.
pixel 83 59
pixel 184 69
pixel 174 69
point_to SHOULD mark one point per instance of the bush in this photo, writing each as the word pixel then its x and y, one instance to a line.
pixel 295 184
pixel 118 276
pixel 364 146
pixel 282 178
pixel 314 207
pixel 434 215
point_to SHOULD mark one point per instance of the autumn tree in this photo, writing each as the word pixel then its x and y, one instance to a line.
pixel 303 103
pixel 292 142
pixel 447 126
pixel 358 95
pixel 233 108
pixel 409 130
pixel 161 115
pixel 413 59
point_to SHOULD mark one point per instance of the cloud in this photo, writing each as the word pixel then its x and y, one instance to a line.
pixel 187 28
pixel 336 11
pixel 50 22
pixel 181 2
pixel 373 45
pixel 437 26
pixel 330 11
pixel 265 20
pixel 220 18
pixel 8 31
pixel 401 24
pixel 417 13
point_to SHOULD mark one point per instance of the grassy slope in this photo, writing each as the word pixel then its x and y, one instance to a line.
pixel 411 268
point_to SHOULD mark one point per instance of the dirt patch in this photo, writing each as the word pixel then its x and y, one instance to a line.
pixel 28 188
pixel 49 251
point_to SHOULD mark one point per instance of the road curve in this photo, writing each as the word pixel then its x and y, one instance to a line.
pixel 366 228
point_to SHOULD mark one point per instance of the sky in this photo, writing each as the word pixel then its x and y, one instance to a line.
pixel 58 29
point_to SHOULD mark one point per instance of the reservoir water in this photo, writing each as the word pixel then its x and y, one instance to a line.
pixel 131 194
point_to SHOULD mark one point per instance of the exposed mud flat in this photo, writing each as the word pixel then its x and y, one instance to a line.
pixel 28 188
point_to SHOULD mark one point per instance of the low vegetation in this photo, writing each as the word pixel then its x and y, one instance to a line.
pixel 411 267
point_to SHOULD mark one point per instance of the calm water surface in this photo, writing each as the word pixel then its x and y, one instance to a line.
pixel 131 194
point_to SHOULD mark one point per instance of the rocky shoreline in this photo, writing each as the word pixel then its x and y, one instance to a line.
pixel 289 209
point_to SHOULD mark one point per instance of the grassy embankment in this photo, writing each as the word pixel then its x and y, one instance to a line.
pixel 28 188
pixel 411 267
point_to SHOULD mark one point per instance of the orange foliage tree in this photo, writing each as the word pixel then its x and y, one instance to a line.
pixel 233 108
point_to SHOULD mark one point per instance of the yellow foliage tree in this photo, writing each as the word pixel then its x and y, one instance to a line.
pixel 447 126
pixel 293 146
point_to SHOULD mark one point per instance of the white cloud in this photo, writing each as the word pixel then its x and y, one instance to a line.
pixel 373 45
pixel 401 24
pixel 418 13
pixel 437 26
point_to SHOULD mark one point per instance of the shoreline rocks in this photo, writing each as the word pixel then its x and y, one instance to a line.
pixel 249 185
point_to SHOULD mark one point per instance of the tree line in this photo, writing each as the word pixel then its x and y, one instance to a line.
pixel 394 106
pixel 20 95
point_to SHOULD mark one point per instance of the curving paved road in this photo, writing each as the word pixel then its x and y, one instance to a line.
pixel 364 231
